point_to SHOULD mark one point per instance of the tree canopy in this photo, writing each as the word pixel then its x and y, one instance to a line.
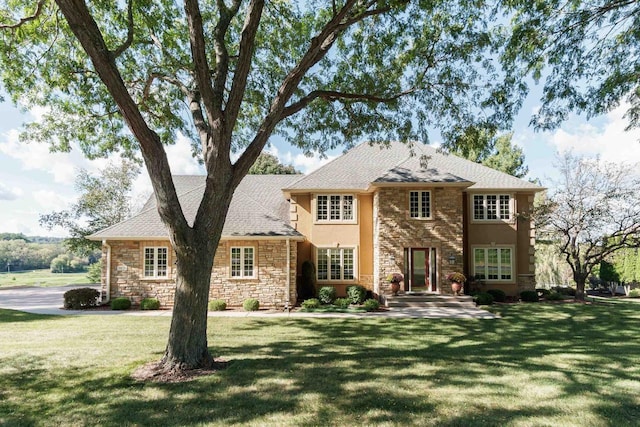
pixel 269 164
pixel 104 200
pixel 586 52
pixel 497 152
pixel 593 212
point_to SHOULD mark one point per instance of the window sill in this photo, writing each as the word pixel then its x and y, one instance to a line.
pixel 335 222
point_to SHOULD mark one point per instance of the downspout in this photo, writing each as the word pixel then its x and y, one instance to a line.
pixel 288 290
pixel 108 275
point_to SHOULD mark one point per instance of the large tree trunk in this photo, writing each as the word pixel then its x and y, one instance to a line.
pixel 187 347
pixel 195 250
pixel 581 280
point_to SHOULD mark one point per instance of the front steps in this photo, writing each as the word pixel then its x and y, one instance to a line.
pixel 429 300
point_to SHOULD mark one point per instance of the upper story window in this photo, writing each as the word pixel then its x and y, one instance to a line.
pixel 155 261
pixel 420 204
pixel 335 207
pixel 492 207
pixel 242 262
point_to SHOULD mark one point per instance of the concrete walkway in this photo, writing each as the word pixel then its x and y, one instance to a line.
pixel 39 300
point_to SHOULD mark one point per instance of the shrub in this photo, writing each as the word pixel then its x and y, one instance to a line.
pixel 484 298
pixel 371 305
pixel 120 303
pixel 342 302
pixel 554 296
pixel 327 294
pixel 542 293
pixel 356 294
pixel 217 305
pixel 529 296
pixel 149 304
pixel 498 295
pixel 634 293
pixel 307 283
pixel 94 272
pixel 251 304
pixel 565 290
pixel 311 303
pixel 81 298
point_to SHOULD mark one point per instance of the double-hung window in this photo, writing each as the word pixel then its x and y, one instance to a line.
pixel 491 207
pixel 335 264
pixel 335 207
pixel 242 262
pixel 155 262
pixel 493 263
pixel 420 204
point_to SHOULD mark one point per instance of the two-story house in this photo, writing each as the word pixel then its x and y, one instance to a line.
pixel 368 213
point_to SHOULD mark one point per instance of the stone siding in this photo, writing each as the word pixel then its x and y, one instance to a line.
pixel 394 231
pixel 268 287
pixel 526 282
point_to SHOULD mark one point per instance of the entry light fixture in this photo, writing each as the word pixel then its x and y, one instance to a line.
pixel 452 259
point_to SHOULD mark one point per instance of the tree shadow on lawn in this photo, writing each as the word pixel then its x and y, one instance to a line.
pixel 11 316
pixel 366 371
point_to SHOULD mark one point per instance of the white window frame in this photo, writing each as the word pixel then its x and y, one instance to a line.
pixel 336 208
pixel 494 203
pixel 420 205
pixel 243 258
pixel 500 265
pixel 156 252
pixel 341 264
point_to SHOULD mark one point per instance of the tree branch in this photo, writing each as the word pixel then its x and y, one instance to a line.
pixel 330 95
pixel 318 48
pixel 88 34
pixel 124 46
pixel 26 19
pixel 239 84
pixel 201 67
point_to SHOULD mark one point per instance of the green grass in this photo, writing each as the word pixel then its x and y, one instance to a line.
pixel 42 278
pixel 539 365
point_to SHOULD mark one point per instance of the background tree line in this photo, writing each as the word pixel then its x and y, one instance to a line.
pixel 19 252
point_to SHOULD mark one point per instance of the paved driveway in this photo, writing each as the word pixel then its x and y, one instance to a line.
pixel 40 300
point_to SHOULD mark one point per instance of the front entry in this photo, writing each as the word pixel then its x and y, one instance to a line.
pixel 420 270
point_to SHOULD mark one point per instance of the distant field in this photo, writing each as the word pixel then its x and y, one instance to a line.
pixel 41 278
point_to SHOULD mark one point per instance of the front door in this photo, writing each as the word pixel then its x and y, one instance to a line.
pixel 420 270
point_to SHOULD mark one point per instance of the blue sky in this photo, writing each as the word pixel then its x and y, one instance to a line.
pixel 34 181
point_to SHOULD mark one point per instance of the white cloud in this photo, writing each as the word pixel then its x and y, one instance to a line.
pixel 300 161
pixel 7 193
pixel 51 200
pixel 36 156
pixel 180 159
pixel 609 141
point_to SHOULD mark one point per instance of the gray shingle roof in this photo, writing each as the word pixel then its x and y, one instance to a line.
pixel 258 209
pixel 368 164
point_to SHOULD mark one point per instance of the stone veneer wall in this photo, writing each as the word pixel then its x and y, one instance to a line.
pixel 394 231
pixel 526 282
pixel 269 286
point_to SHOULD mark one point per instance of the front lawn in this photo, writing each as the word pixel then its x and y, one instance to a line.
pixel 560 364
pixel 42 278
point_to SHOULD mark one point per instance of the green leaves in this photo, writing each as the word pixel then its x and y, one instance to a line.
pixel 588 51
pixel 435 53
